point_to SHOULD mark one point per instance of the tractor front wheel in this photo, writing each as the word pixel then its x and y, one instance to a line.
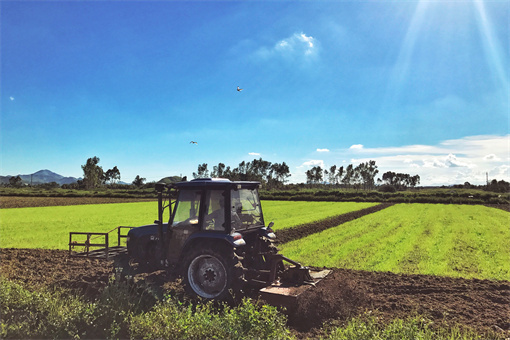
pixel 209 273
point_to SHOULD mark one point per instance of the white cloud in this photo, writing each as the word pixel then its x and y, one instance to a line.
pixel 322 150
pixel 492 157
pixel 253 153
pixel 312 163
pixel 298 45
pixel 11 98
pixel 449 162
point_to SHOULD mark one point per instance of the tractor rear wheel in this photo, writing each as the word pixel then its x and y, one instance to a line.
pixel 210 273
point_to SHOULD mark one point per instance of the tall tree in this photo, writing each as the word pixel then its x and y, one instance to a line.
pixel 203 172
pixel 314 175
pixel 218 171
pixel 339 174
pixel 367 172
pixel 93 174
pixel 15 181
pixel 348 177
pixel 138 181
pixel 112 175
pixel 332 175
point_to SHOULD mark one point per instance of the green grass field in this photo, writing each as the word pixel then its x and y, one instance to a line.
pixel 451 240
pixel 287 214
pixel 447 240
pixel 49 227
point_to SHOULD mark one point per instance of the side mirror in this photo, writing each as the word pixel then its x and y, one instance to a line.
pixel 270 225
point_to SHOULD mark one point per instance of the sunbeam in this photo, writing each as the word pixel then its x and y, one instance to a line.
pixel 401 68
pixel 493 51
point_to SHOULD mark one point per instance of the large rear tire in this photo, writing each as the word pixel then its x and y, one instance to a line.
pixel 211 274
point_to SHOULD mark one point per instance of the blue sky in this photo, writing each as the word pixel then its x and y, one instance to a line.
pixel 422 87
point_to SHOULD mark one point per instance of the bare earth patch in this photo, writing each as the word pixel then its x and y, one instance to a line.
pixel 23 202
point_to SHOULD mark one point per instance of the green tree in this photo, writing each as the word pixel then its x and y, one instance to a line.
pixel 93 174
pixel 314 175
pixel 280 172
pixel 15 182
pixel 367 171
pixel 138 181
pixel 332 175
pixel 203 172
pixel 112 175
pixel 218 171
pixel 348 177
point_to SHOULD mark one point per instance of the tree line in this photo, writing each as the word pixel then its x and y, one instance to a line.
pixel 272 175
pixel 94 176
pixel 361 176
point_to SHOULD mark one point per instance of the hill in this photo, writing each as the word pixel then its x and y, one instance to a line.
pixel 41 177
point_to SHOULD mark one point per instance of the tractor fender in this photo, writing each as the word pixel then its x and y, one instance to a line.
pixel 141 238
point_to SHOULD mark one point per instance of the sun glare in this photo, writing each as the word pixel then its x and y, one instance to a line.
pixel 451 23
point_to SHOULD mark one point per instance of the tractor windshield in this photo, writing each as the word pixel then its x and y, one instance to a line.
pixel 246 212
pixel 187 208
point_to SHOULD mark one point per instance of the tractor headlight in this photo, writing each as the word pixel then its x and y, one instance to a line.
pixel 238 239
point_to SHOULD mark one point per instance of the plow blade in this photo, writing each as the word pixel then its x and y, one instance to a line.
pixel 285 295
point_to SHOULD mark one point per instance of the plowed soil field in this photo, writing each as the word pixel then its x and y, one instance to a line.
pixel 480 304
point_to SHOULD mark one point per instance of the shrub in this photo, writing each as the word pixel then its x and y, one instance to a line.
pixel 172 319
pixel 368 327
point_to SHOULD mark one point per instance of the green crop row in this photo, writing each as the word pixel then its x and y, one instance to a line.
pixel 287 214
pixel 447 240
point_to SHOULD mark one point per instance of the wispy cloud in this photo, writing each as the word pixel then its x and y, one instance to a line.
pixel 356 147
pixel 449 162
pixel 253 153
pixel 322 150
pixel 312 163
pixel 298 45
pixel 11 98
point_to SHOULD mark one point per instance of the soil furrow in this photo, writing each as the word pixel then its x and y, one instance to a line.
pixel 303 230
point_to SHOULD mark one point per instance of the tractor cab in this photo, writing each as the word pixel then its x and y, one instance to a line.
pixel 217 205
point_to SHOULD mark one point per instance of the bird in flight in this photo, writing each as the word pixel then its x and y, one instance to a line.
pixel 239 89
pixel 192 142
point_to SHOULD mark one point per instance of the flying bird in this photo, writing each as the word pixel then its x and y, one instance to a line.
pixel 192 142
pixel 239 89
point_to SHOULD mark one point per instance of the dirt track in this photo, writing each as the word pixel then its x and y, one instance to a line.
pixel 481 304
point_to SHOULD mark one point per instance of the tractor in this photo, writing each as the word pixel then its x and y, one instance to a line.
pixel 216 238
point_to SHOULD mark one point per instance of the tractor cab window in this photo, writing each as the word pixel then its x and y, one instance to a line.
pixel 245 209
pixel 214 210
pixel 187 208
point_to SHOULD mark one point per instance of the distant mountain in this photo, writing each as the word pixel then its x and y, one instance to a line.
pixel 41 177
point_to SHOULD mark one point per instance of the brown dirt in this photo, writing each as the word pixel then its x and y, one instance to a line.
pixel 481 304
pixel 22 202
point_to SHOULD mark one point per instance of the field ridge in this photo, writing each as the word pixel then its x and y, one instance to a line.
pixel 303 230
